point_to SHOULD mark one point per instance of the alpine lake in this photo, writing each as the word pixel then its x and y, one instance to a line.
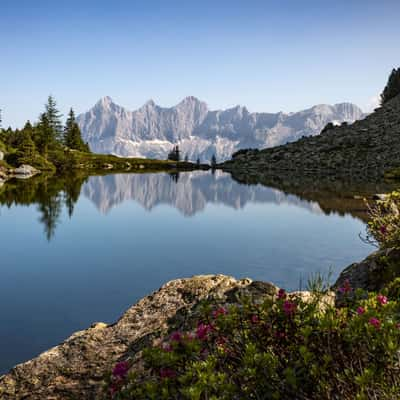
pixel 77 250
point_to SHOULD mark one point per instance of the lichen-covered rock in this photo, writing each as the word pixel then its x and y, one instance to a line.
pixel 76 368
pixel 373 273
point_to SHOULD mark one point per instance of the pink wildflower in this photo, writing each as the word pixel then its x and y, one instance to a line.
pixel 176 336
pixel 346 288
pixel 281 294
pixel 289 307
pixel 375 322
pixel 382 300
pixel 167 347
pixel 219 311
pixel 360 310
pixel 121 369
pixel 203 331
pixel 255 319
pixel 167 373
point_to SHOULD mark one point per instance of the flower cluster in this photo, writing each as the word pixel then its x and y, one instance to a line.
pixel 285 346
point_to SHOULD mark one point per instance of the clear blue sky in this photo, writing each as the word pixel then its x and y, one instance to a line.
pixel 267 55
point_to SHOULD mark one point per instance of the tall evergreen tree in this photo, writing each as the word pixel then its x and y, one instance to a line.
pixel 45 135
pixel 175 154
pixel 54 118
pixel 26 149
pixel 392 88
pixel 72 134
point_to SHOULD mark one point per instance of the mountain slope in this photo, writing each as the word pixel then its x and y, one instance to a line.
pixel 151 131
pixel 364 149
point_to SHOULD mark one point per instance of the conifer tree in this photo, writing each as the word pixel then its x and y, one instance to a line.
pixel 44 134
pixel 72 134
pixel 54 118
pixel 26 150
pixel 175 154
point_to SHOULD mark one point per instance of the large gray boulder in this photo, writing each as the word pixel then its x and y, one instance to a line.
pixel 373 273
pixel 76 369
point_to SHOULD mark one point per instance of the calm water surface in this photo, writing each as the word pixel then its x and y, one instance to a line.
pixel 77 252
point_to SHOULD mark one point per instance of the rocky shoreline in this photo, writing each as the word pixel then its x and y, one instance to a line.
pixel 22 172
pixel 78 367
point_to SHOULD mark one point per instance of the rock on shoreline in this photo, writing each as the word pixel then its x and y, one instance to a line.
pixel 22 172
pixel 76 368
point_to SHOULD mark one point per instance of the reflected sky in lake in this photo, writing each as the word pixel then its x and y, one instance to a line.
pixel 83 250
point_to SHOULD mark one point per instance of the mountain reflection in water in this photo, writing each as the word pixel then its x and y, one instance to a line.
pixel 188 192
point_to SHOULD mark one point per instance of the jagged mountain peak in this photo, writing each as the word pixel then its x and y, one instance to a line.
pixel 105 101
pixel 191 102
pixel 150 104
pixel 151 131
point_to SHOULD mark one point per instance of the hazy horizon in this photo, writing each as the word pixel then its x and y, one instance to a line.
pixel 266 56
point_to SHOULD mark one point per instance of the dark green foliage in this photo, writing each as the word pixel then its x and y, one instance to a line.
pixel 392 88
pixel 174 154
pixel 54 118
pixel 72 134
pixel 45 136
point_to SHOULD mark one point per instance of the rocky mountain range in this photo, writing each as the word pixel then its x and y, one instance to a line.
pixel 152 131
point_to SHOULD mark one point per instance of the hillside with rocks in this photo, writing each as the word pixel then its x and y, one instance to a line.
pixel 364 150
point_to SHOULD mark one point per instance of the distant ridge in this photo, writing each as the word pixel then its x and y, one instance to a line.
pixel 151 131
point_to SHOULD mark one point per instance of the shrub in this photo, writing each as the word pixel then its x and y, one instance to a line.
pixel 384 228
pixel 284 348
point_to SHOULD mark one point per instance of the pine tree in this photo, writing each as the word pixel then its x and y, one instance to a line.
pixel 27 149
pixel 175 154
pixel 392 88
pixel 44 135
pixel 72 134
pixel 54 118
pixel 198 162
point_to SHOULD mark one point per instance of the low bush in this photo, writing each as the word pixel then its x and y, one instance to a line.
pixel 384 227
pixel 285 348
